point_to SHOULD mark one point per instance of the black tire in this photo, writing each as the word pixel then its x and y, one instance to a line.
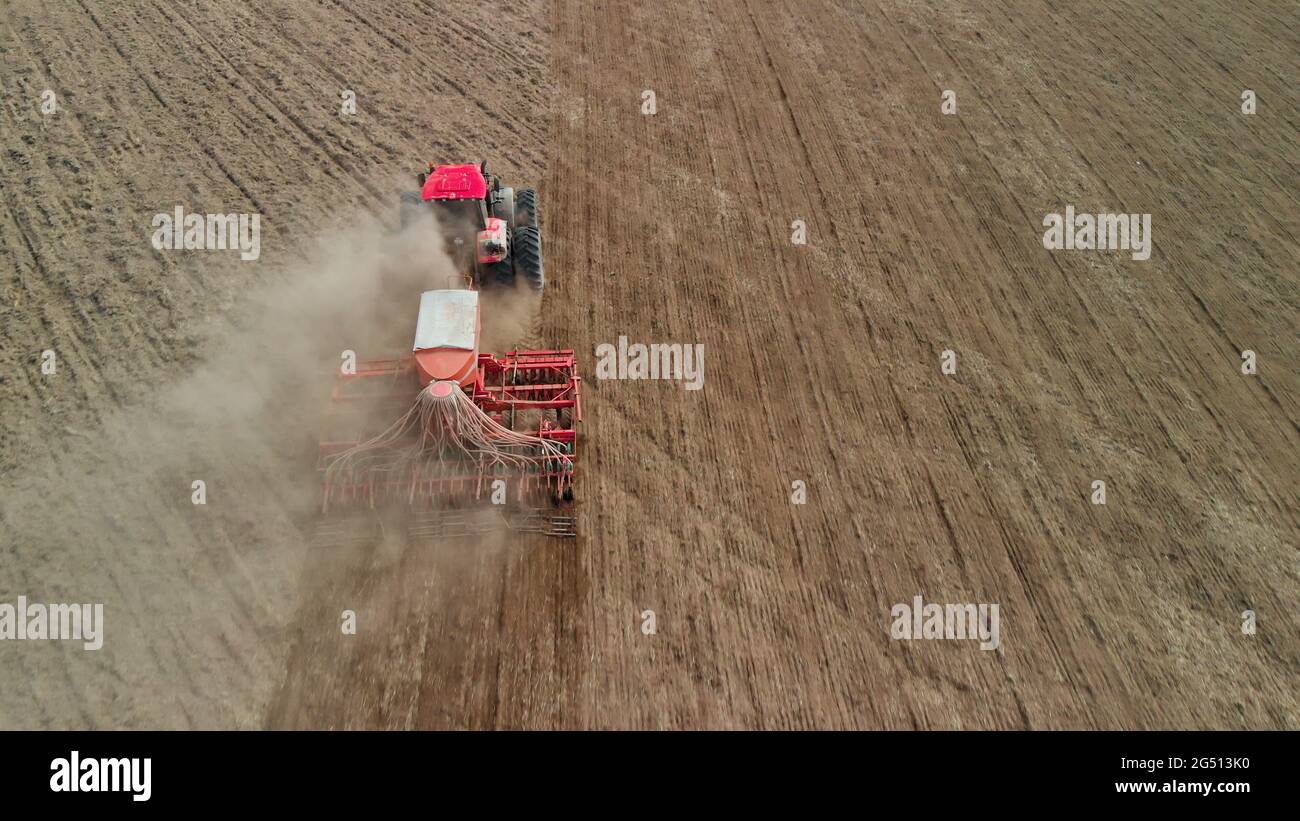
pixel 526 249
pixel 504 206
pixel 412 207
pixel 526 208
pixel 501 274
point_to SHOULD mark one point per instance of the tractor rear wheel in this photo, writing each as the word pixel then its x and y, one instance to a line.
pixel 526 208
pixel 526 249
pixel 411 207
pixel 503 208
pixel 501 274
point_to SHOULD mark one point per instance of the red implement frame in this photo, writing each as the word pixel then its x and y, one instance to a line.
pixel 536 392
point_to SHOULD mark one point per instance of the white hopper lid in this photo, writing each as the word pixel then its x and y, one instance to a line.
pixel 448 319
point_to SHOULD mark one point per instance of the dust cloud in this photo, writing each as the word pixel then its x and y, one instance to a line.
pixel 188 514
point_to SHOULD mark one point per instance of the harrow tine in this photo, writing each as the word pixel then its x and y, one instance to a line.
pixel 452 524
pixel 353 531
pixel 546 523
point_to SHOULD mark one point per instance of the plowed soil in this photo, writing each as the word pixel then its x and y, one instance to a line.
pixel 822 364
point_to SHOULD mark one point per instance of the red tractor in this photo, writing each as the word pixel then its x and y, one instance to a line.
pixel 491 230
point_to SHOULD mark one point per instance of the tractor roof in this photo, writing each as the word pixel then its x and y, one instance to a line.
pixel 455 182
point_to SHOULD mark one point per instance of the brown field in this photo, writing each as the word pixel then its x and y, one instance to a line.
pixel 924 234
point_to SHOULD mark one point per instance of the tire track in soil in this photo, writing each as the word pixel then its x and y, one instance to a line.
pixel 1100 669
pixel 1249 467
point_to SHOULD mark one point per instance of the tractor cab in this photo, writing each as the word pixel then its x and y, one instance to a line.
pixel 458 197
pixel 490 230
pixel 463 189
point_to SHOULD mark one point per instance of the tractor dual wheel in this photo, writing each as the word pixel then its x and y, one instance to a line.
pixel 501 274
pixel 526 208
pixel 503 205
pixel 526 251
